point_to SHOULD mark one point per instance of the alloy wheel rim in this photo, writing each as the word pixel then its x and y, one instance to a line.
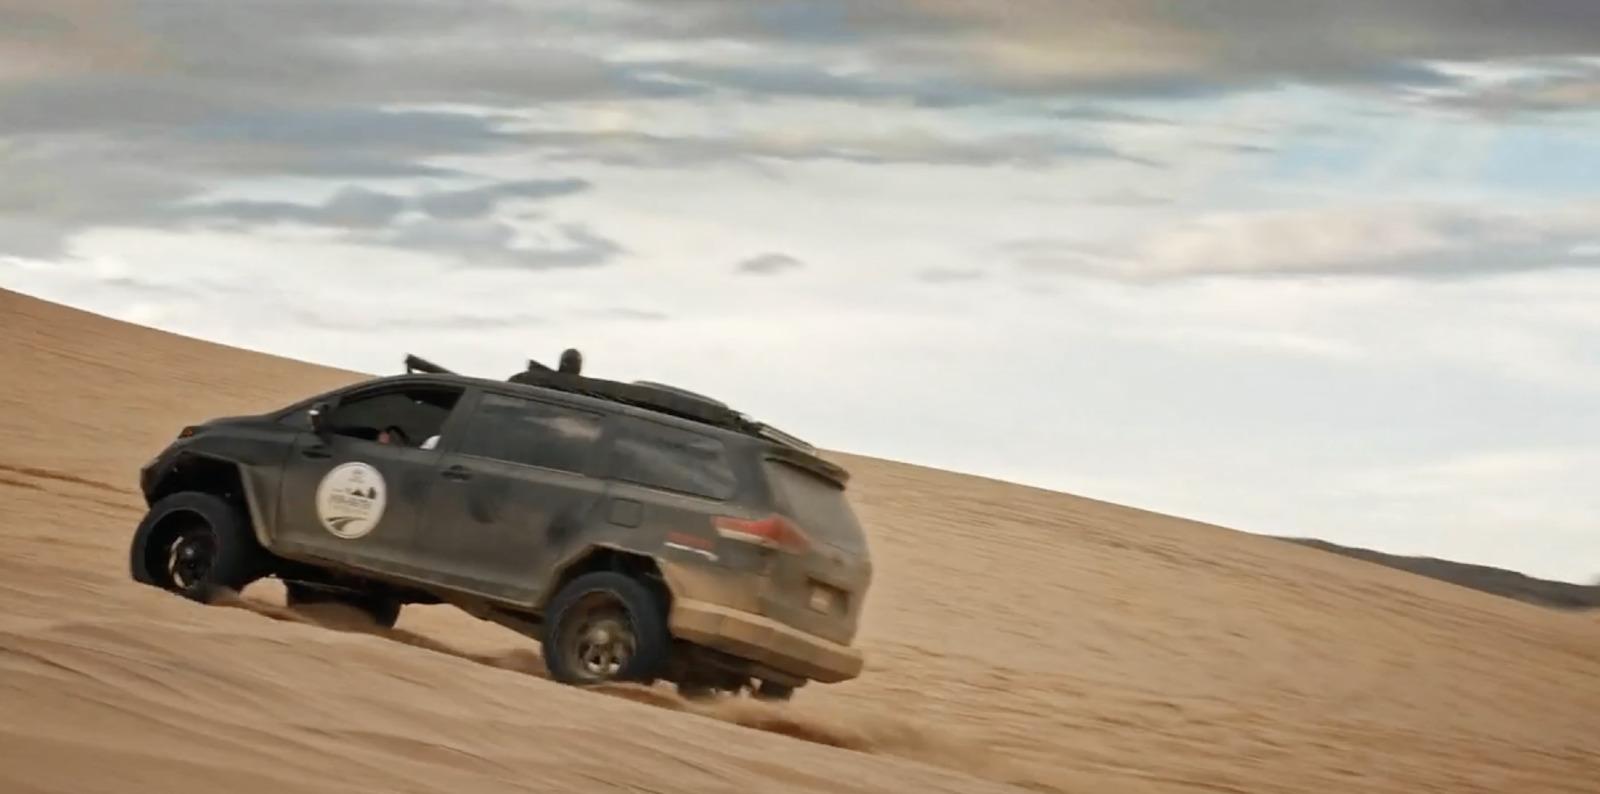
pixel 601 640
pixel 191 556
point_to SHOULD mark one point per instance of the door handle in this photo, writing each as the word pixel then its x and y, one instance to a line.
pixel 457 473
pixel 316 452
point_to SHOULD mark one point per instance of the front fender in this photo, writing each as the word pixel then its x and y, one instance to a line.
pixel 201 470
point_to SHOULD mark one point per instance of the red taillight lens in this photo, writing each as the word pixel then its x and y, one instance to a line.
pixel 773 532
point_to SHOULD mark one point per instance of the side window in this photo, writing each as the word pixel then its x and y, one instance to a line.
pixel 531 433
pixel 410 416
pixel 658 456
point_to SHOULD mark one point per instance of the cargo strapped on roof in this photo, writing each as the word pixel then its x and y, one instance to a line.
pixel 650 396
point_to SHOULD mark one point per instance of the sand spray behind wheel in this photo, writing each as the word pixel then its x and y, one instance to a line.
pixel 941 746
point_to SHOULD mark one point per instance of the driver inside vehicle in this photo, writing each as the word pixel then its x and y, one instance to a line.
pixel 394 435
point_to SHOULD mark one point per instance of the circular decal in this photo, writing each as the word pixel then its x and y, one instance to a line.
pixel 351 499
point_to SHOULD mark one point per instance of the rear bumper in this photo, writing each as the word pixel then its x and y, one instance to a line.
pixel 764 641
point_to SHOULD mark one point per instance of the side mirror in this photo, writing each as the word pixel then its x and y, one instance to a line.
pixel 317 415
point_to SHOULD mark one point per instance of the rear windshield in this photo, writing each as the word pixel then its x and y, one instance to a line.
pixel 817 505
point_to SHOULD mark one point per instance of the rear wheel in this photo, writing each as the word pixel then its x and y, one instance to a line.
pixel 605 627
pixel 195 544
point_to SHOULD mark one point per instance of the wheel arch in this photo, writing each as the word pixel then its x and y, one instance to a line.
pixel 607 557
pixel 206 473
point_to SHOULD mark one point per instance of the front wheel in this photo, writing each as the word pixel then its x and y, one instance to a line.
pixel 194 544
pixel 605 627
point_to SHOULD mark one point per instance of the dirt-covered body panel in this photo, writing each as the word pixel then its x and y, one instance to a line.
pixel 725 610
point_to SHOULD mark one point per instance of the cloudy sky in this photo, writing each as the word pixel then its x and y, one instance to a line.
pixel 1311 268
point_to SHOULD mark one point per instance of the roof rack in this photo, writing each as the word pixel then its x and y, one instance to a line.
pixel 649 395
pixel 675 390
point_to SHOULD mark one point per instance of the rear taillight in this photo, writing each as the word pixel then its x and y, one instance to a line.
pixel 773 532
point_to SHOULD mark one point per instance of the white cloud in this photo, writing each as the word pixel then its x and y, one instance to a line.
pixel 1387 239
pixel 1197 398
pixel 1238 308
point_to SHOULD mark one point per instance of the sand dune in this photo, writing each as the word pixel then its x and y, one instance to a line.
pixel 1018 640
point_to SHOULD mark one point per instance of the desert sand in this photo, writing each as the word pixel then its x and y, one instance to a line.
pixel 1018 639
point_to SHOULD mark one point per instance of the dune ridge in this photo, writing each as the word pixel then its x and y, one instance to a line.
pixel 1018 639
pixel 1487 578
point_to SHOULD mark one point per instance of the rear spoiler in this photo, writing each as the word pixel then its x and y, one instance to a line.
pixel 777 436
pixel 812 462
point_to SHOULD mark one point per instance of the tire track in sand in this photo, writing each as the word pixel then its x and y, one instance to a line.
pixel 881 736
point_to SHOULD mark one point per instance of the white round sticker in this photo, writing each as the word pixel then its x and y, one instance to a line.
pixel 351 499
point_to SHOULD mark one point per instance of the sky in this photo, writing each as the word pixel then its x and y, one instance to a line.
pixel 1297 268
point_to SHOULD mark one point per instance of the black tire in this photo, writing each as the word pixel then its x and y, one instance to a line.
pixel 624 603
pixel 385 612
pixel 195 544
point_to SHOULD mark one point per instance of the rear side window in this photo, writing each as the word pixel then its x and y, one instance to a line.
pixel 531 433
pixel 657 456
pixel 817 504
